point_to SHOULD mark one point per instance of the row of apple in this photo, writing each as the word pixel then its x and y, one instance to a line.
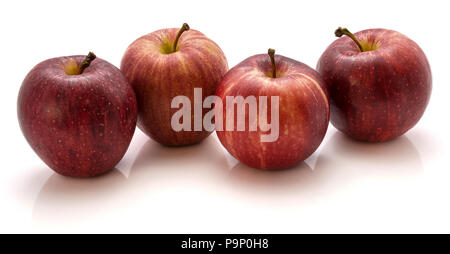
pixel 79 113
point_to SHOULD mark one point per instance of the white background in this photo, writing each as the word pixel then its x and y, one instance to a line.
pixel 345 186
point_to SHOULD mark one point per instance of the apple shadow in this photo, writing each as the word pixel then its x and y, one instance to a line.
pixel 65 202
pixel 202 160
pixel 291 185
pixel 159 172
pixel 343 162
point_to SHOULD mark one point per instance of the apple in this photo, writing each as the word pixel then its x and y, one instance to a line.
pixel 78 114
pixel 378 81
pixel 168 63
pixel 288 94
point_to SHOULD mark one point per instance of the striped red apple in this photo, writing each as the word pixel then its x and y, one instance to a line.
pixel 290 97
pixel 168 63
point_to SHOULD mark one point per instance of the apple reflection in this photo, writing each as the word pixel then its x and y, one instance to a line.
pixel 272 186
pixel 189 164
pixel 344 160
pixel 65 202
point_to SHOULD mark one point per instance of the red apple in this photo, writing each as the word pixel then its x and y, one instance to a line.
pixel 78 114
pixel 169 63
pixel 378 81
pixel 295 102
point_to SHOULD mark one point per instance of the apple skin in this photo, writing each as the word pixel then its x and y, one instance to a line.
pixel 303 111
pixel 79 125
pixel 376 95
pixel 158 77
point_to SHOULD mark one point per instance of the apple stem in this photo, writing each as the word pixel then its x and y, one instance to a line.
pixel 271 53
pixel 87 61
pixel 344 31
pixel 183 28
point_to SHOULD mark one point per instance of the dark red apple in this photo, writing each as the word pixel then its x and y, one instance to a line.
pixel 288 94
pixel 78 114
pixel 169 63
pixel 378 81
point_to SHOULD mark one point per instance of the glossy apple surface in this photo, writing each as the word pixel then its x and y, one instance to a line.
pixel 380 93
pixel 158 73
pixel 80 125
pixel 303 111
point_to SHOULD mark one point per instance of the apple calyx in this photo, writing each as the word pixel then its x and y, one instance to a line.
pixel 183 28
pixel 344 31
pixel 87 61
pixel 271 53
